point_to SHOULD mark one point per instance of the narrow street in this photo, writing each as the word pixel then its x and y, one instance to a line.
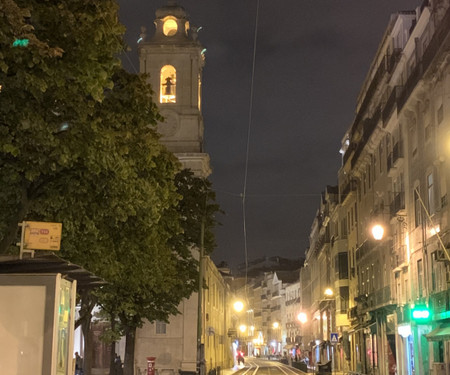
pixel 258 366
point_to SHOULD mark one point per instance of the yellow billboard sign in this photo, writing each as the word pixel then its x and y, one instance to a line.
pixel 42 236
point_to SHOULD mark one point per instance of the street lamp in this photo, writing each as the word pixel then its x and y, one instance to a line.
pixel 238 306
pixel 302 318
pixel 378 232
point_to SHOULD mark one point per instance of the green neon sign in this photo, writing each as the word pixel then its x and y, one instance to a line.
pixel 420 313
pixel 21 43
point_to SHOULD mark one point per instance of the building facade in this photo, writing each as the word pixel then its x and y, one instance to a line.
pixel 394 179
pixel 196 340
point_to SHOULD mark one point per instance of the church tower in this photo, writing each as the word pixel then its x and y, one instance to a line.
pixel 174 58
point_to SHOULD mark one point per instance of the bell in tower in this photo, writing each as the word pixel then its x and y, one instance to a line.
pixel 174 59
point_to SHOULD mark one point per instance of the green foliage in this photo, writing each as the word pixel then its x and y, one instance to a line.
pixel 59 77
pixel 78 145
pixel 198 204
pixel 171 272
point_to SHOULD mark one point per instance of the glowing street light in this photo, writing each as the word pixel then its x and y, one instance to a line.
pixel 302 318
pixel 238 306
pixel 328 292
pixel 242 328
pixel 377 232
pixel 275 325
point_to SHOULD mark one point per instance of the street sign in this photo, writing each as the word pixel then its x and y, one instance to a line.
pixel 42 236
pixel 334 337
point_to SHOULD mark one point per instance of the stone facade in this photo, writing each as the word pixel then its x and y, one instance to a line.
pixel 394 174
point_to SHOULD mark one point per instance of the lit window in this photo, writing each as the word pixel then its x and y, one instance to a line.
pixel 168 84
pixel 199 93
pixel 170 26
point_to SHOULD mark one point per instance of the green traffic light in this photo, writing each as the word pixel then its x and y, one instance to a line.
pixel 21 43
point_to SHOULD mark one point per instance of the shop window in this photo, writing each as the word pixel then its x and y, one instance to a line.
pixel 168 84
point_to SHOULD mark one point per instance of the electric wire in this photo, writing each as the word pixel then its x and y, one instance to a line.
pixel 244 191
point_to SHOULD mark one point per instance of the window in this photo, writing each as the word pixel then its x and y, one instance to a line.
pixel 430 190
pixel 342 265
pixel 344 294
pixel 380 156
pixel 417 208
pixel 428 132
pixel 374 161
pixel 199 92
pixel 344 228
pixel 160 327
pixel 440 114
pixel 414 139
pixel 170 26
pixel 364 183
pixel 168 84
pixel 419 278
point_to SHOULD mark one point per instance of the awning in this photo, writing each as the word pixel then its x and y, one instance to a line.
pixel 51 263
pixel 441 333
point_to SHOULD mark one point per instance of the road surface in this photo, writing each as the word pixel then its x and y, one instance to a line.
pixel 258 366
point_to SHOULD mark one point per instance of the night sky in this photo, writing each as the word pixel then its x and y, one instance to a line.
pixel 311 60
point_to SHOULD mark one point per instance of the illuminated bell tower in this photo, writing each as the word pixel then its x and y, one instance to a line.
pixel 174 59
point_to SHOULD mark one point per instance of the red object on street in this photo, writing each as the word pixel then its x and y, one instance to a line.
pixel 151 365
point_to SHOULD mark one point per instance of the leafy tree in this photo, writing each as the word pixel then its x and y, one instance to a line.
pixel 78 146
pixel 155 291
pixel 54 81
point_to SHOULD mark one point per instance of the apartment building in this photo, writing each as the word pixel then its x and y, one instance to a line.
pixel 394 177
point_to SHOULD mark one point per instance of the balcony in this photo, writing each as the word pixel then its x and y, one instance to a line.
pixel 369 126
pixel 347 189
pixel 410 85
pixel 393 59
pixel 395 157
pixel 398 258
pixel 293 301
pixel 352 313
pixel 397 206
pixel 389 106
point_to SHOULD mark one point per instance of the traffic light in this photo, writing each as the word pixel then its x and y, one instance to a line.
pixel 21 42
pixel 420 313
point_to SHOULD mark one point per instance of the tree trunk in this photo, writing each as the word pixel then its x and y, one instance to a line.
pixel 112 359
pixel 87 357
pixel 112 352
pixel 87 305
pixel 129 351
